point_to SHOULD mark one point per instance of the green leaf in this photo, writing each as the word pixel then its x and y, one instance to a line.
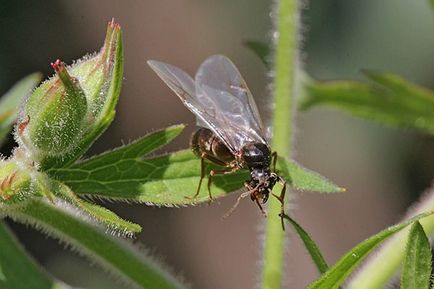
pixel 100 214
pixel 375 273
pixel 417 266
pixel 17 269
pixel 114 254
pixel 336 275
pixel 261 49
pixel 11 100
pixel 310 245
pixel 389 99
pixel 165 180
pixel 304 179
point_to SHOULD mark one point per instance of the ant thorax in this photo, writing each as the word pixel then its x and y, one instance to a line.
pixel 255 155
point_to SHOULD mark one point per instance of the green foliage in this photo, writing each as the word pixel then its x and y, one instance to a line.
pixel 13 259
pixel 417 266
pixel 388 99
pixel 119 258
pixel 310 245
pixel 304 179
pixel 375 273
pixel 261 49
pixel 80 101
pixel 166 180
pixel 99 214
pixel 336 275
pixel 11 100
pixel 29 195
pixel 78 104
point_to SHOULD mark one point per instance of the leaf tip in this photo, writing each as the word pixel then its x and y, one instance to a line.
pixel 176 128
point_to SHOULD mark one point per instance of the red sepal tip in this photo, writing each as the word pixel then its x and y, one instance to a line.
pixel 57 65
pixel 113 24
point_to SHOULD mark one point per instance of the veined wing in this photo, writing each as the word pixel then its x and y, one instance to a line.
pixel 223 92
pixel 183 85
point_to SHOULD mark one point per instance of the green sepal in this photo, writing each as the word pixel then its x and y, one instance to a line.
pixel 16 183
pixel 67 113
pixel 54 116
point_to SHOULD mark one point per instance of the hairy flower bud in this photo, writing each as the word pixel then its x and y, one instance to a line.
pixel 15 183
pixel 54 114
pixel 66 113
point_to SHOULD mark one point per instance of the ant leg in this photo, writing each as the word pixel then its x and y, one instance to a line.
pixel 260 206
pixel 203 157
pixel 202 175
pixel 274 158
pixel 281 199
pixel 213 173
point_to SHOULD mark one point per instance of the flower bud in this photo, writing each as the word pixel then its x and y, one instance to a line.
pixel 54 114
pixel 64 115
pixel 15 183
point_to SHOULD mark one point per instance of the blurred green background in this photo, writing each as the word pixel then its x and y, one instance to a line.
pixel 383 169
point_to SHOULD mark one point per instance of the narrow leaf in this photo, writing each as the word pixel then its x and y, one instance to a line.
pixel 166 180
pixel 310 245
pixel 98 213
pixel 261 49
pixel 11 100
pixel 114 254
pixel 304 179
pixel 375 273
pixel 13 259
pixel 389 99
pixel 336 275
pixel 135 150
pixel 417 267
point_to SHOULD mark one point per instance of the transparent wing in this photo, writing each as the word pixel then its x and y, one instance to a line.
pixel 221 89
pixel 183 85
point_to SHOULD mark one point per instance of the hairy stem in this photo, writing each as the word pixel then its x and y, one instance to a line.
pixel 282 131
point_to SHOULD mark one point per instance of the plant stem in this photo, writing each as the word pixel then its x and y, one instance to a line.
pixel 282 131
pixel 124 261
pixel 380 268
